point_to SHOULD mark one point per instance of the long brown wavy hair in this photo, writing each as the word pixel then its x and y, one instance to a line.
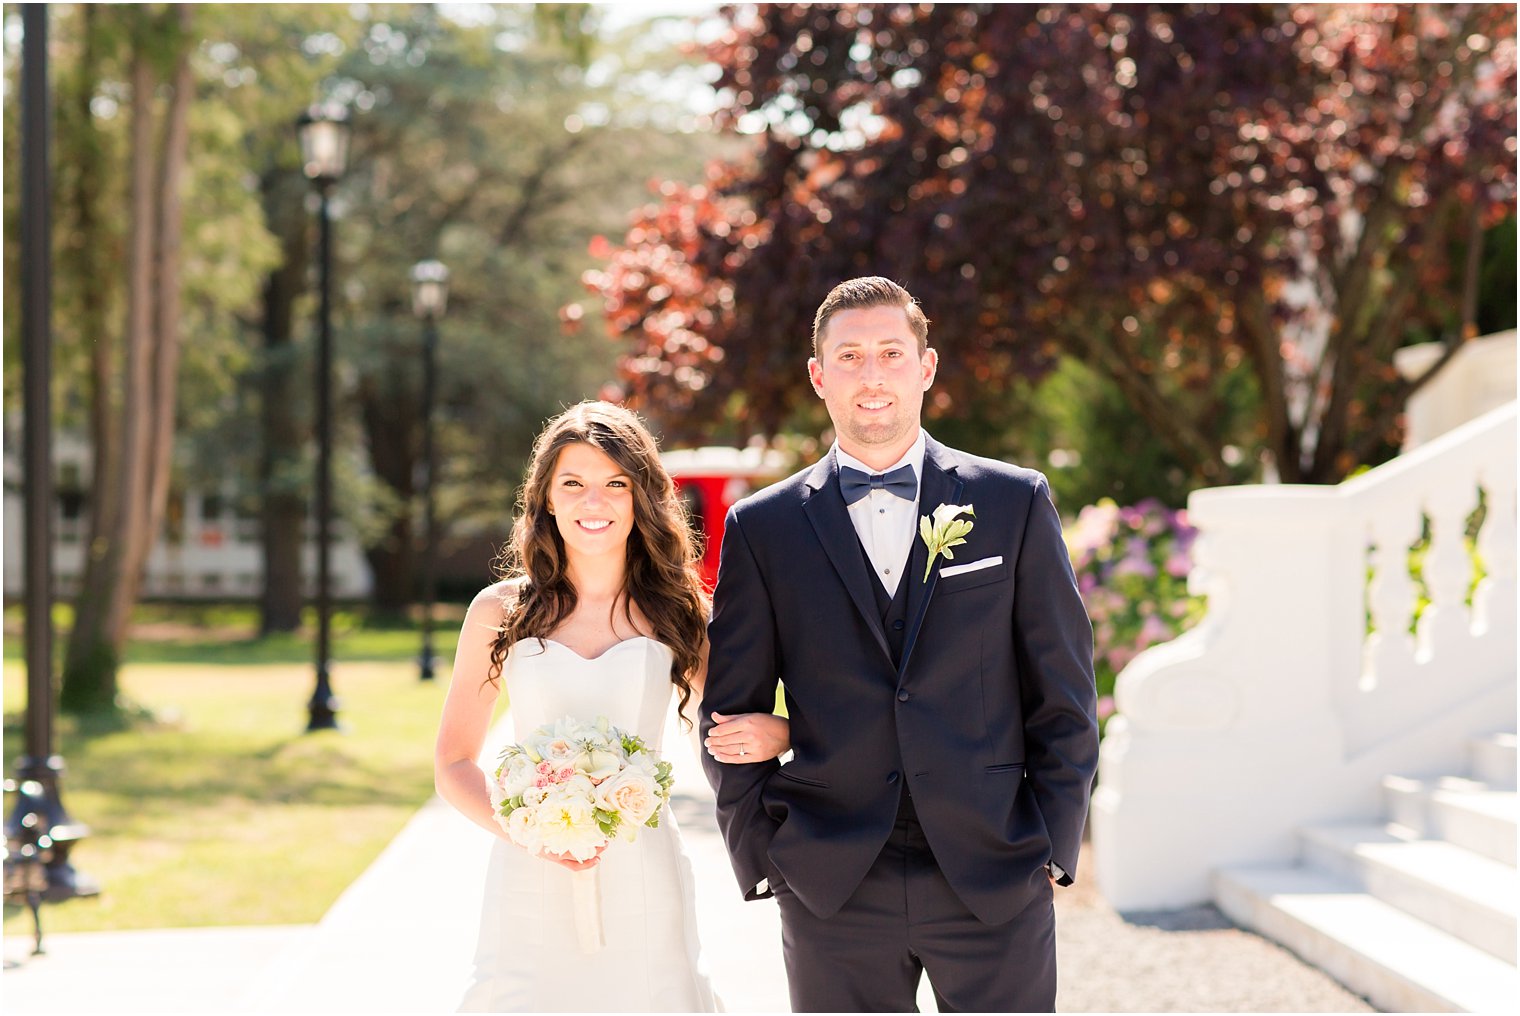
pixel 661 574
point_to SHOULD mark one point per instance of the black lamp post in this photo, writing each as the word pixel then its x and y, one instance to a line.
pixel 324 131
pixel 38 832
pixel 430 297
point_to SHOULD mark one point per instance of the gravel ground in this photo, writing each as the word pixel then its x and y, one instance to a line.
pixel 1191 960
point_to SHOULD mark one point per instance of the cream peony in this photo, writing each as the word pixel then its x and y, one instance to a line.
pixel 566 823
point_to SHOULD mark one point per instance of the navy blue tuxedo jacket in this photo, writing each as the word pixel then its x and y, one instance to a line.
pixel 989 716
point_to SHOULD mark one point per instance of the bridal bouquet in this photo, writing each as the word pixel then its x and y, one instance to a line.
pixel 570 789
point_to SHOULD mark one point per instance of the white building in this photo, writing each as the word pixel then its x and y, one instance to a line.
pixel 207 550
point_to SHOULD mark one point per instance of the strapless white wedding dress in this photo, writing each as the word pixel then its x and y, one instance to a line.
pixel 528 959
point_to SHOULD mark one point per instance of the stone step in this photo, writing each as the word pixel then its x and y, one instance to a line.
pixel 1457 891
pixel 1494 760
pixel 1465 812
pixel 1397 962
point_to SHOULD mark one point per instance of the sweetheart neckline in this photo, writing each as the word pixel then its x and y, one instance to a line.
pixel 591 659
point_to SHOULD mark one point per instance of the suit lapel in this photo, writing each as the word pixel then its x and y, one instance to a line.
pixel 940 486
pixel 831 521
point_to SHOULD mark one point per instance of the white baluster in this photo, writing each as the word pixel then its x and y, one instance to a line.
pixel 1494 600
pixel 1448 572
pixel 1389 649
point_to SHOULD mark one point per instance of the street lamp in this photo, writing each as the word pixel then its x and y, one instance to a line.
pixel 39 834
pixel 430 297
pixel 324 131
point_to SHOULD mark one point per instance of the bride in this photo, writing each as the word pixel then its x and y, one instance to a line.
pixel 601 614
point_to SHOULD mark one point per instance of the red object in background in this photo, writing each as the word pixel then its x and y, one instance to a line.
pixel 710 480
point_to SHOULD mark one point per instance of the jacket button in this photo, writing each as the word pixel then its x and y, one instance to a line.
pixel 903 696
pixel 898 626
pixel 892 777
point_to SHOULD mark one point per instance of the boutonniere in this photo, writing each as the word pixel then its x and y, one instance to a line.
pixel 943 530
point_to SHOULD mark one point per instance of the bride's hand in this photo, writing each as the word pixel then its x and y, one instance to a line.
pixel 748 737
pixel 565 861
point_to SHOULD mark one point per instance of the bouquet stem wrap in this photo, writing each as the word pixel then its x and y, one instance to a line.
pixel 587 897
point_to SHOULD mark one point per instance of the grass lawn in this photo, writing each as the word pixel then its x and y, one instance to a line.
pixel 225 812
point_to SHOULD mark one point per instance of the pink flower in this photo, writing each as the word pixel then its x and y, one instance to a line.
pixel 1105 707
pixel 544 768
pixel 1153 630
pixel 564 774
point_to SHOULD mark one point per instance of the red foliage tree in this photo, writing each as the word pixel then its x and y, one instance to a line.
pixel 1169 193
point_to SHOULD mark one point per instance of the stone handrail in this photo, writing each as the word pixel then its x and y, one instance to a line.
pixel 1304 684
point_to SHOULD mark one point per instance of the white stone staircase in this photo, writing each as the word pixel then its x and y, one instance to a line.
pixel 1418 914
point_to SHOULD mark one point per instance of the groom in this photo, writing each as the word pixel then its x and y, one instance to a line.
pixel 942 704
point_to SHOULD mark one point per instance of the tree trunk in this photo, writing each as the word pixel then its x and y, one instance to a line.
pixel 90 249
pixel 131 509
pixel 282 473
pixel 393 565
pixel 388 409
pixel 165 345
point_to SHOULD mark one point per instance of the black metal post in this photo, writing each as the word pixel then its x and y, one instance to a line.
pixel 430 465
pixel 324 707
pixel 39 832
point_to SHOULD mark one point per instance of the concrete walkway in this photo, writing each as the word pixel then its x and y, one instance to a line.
pixel 400 940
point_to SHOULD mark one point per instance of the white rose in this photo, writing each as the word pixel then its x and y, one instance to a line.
pixel 516 776
pixel 633 795
pixel 534 796
pixel 522 827
pixel 559 751
pixel 645 763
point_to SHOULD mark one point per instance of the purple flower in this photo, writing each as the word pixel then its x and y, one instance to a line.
pixel 1137 560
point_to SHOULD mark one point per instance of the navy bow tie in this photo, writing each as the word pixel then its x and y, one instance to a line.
pixel 855 484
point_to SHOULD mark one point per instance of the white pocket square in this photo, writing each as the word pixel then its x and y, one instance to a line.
pixel 960 569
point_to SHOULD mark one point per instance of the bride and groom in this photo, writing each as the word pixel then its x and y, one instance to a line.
pixel 917 606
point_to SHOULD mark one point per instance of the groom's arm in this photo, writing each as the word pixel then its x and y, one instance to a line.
pixel 741 678
pixel 1053 642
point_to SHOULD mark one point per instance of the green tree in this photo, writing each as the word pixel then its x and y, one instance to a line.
pixel 156 238
pixel 488 145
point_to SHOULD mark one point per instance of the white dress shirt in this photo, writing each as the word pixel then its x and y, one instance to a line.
pixel 886 523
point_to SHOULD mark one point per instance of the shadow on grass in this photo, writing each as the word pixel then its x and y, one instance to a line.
pixel 173 770
pixel 226 634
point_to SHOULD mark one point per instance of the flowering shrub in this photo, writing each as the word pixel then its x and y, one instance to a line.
pixel 1132 566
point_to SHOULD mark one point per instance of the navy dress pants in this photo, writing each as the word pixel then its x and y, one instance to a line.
pixel 905 920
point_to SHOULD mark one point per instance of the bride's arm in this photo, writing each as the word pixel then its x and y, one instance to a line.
pixel 741 738
pixel 467 713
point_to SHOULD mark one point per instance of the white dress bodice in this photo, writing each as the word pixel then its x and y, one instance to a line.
pixel 629 684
